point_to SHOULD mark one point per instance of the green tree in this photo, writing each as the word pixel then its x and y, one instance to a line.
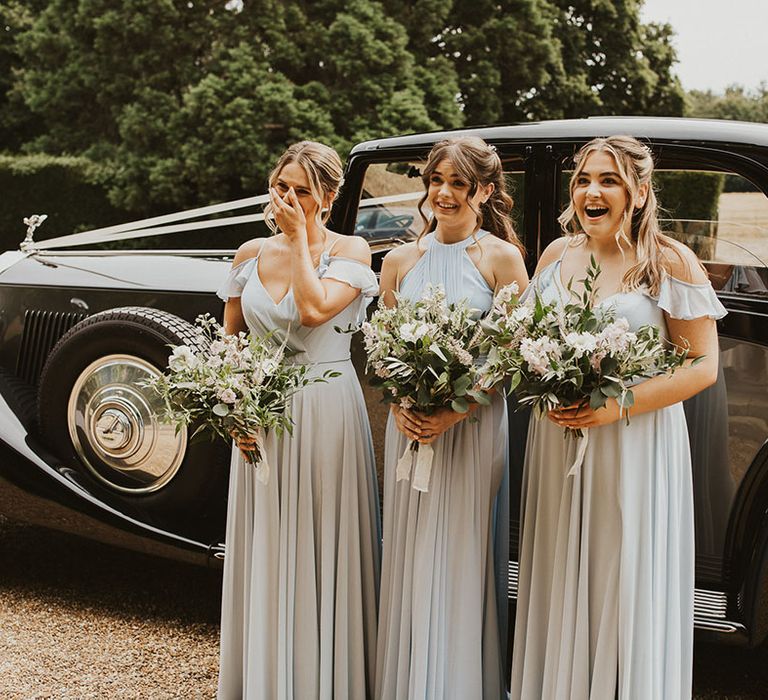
pixel 17 123
pixel 612 63
pixel 736 102
pixel 190 103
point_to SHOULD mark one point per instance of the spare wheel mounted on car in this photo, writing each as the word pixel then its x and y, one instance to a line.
pixel 97 415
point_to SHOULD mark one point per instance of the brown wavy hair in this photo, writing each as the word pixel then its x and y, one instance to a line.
pixel 478 164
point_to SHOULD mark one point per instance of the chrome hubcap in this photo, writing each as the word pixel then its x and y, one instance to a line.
pixel 113 422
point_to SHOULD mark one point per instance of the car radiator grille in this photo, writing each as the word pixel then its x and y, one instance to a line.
pixel 42 330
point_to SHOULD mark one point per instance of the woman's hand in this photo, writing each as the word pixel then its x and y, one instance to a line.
pixel 582 416
pixel 424 428
pixel 246 445
pixel 435 424
pixel 407 422
pixel 289 215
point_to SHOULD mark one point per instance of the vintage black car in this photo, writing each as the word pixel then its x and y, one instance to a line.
pixel 81 448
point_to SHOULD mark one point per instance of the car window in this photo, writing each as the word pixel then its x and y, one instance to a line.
pixel 723 218
pixel 389 208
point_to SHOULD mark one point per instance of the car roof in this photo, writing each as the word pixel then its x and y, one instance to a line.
pixel 653 128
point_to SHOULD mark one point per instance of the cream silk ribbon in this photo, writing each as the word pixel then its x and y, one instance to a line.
pixel 422 455
pixel 581 450
pixel 260 465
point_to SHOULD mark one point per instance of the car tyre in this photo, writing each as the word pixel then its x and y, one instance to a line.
pixel 97 417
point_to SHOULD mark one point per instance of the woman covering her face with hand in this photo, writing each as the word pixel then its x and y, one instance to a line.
pixel 605 602
pixel 302 551
pixel 442 599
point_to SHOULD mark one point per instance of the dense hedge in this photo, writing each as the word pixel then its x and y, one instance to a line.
pixel 695 196
pixel 71 191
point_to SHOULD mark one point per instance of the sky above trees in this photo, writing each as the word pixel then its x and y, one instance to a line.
pixel 718 43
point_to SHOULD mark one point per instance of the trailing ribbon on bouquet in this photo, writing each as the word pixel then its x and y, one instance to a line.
pixel 422 455
pixel 258 457
pixel 581 449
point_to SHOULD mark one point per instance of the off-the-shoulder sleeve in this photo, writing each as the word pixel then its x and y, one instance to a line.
pixel 236 279
pixel 354 273
pixel 686 301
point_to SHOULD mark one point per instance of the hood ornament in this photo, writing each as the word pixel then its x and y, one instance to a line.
pixel 32 223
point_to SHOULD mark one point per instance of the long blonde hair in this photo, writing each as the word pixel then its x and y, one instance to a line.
pixel 324 172
pixel 478 164
pixel 634 163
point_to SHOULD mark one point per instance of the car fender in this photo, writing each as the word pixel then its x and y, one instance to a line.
pixel 33 488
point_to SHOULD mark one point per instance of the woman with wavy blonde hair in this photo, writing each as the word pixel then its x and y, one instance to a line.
pixel 605 602
pixel 302 546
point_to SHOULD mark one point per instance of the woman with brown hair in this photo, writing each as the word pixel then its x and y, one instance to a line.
pixel 442 598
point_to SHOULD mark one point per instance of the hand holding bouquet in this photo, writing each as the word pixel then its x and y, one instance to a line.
pixel 423 356
pixel 576 353
pixel 234 386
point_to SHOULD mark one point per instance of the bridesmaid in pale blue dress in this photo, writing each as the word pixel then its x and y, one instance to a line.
pixel 605 604
pixel 301 570
pixel 442 624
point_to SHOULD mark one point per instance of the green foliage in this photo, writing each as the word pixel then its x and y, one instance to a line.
pixel 694 196
pixel 184 104
pixel 736 102
pixel 71 191
pixel 17 123
pixel 689 194
pixel 611 62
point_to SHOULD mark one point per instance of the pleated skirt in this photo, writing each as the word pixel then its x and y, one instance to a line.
pixel 605 605
pixel 444 569
pixel 300 587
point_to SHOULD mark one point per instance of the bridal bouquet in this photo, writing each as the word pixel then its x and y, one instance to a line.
pixel 234 386
pixel 576 353
pixel 424 356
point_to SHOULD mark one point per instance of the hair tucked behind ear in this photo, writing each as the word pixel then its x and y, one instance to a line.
pixel 324 172
pixel 478 165
pixel 634 163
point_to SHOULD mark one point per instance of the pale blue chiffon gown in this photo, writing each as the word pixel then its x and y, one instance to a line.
pixel 443 588
pixel 605 604
pixel 298 616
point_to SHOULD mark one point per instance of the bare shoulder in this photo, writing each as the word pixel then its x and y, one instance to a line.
pixel 353 247
pixel 503 251
pixel 249 249
pixel 403 255
pixel 553 252
pixel 681 262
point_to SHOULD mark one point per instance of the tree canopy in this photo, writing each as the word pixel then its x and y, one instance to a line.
pixel 736 102
pixel 184 103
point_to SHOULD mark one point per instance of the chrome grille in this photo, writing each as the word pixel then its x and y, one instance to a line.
pixel 42 330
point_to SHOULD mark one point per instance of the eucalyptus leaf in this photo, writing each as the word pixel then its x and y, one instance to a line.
pixel 460 405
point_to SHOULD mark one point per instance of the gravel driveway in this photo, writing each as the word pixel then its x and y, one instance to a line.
pixel 83 620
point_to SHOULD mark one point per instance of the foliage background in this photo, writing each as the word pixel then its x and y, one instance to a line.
pixel 158 105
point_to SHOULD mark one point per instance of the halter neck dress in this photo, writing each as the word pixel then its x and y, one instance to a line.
pixel 443 588
pixel 605 602
pixel 302 551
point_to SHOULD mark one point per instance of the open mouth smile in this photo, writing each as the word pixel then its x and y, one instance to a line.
pixel 594 212
pixel 446 206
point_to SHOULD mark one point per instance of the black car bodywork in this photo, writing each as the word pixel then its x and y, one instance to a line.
pixel 62 313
